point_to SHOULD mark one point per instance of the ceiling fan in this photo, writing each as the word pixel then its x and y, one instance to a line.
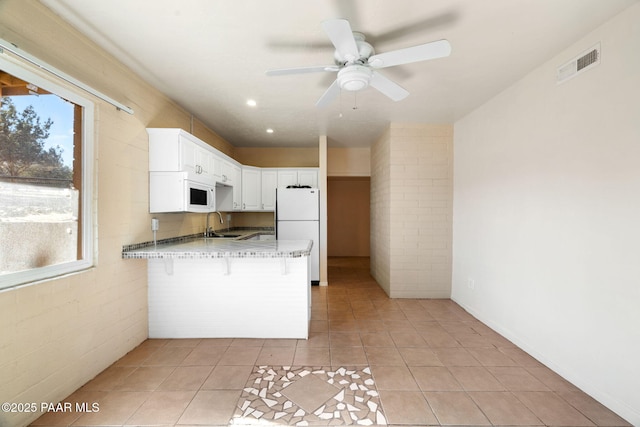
pixel 356 62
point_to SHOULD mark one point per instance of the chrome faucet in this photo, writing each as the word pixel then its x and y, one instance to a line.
pixel 207 230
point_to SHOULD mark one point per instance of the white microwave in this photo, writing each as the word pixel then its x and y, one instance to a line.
pixel 173 192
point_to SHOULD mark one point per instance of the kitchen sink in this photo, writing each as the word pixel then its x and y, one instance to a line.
pixel 223 236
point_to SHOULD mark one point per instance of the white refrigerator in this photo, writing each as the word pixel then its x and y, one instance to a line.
pixel 298 218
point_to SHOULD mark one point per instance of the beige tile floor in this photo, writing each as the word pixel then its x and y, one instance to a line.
pixel 432 363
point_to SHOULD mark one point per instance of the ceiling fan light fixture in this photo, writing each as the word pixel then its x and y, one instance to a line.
pixel 354 77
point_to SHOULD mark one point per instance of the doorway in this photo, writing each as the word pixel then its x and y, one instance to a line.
pixel 348 216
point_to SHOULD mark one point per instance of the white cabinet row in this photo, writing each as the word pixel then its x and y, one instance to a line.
pixel 259 185
pixel 174 150
pixel 238 187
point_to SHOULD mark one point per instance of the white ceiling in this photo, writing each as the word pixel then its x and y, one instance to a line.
pixel 210 56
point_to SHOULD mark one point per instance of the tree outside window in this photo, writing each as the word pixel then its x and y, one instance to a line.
pixel 40 178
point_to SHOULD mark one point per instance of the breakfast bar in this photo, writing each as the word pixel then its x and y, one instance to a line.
pixel 227 288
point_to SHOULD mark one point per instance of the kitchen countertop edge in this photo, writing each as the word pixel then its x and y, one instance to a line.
pixel 197 247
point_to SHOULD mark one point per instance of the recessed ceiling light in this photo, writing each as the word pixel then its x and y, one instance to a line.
pixel 251 102
pixel 269 130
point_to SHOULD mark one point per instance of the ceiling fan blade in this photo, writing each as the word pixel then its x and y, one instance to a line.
pixel 430 23
pixel 423 52
pixel 302 70
pixel 330 94
pixel 388 87
pixel 341 35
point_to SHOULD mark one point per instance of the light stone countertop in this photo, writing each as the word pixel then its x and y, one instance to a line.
pixel 200 247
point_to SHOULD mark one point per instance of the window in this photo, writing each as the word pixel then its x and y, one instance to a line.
pixel 46 140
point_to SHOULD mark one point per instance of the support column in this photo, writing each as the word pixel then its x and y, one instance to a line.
pixel 322 185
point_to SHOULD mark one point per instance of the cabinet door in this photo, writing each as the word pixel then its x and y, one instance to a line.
pixel 204 161
pixel 188 159
pixel 227 174
pixel 287 177
pixel 164 151
pixel 251 189
pixel 237 187
pixel 196 161
pixel 269 184
pixel 308 177
pixel 216 168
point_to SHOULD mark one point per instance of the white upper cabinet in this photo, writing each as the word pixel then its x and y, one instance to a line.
pixel 216 167
pixel 197 161
pixel 240 187
pixel 251 188
pixel 174 150
pixel 308 177
pixel 227 173
pixel 298 177
pixel 269 185
pixel 287 177
pixel 237 187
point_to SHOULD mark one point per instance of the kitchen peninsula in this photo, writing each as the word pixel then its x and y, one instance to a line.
pixel 227 288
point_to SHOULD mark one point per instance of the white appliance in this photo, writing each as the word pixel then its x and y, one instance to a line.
pixel 173 192
pixel 298 218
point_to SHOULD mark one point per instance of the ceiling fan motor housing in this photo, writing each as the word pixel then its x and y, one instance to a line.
pixel 354 77
pixel 365 50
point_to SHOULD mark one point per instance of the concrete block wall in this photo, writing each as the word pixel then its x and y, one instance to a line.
pixel 412 198
pixel 380 251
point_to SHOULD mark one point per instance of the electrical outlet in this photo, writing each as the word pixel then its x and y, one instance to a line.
pixel 155 224
pixel 471 284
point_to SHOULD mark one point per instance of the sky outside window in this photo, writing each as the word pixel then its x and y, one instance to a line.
pixel 60 112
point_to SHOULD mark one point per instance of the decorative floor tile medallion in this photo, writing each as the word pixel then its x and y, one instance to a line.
pixel 309 396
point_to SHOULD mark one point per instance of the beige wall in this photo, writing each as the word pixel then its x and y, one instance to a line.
pixel 278 157
pixel 253 219
pixel 349 161
pixel 411 210
pixel 58 334
pixel 546 216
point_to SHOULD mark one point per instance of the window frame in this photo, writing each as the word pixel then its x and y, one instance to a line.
pixel 87 205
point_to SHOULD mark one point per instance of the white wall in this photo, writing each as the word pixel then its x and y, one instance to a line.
pixel 547 216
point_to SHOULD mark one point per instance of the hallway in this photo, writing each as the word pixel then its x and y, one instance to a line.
pixel 369 360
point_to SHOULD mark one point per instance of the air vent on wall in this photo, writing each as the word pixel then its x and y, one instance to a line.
pixel 586 60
